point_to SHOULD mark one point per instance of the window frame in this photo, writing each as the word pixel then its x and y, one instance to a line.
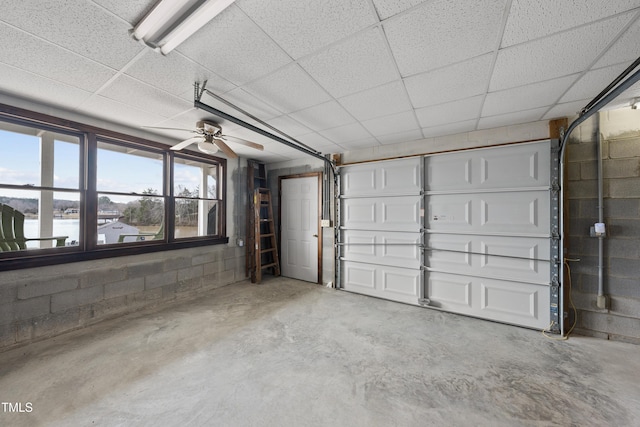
pixel 88 249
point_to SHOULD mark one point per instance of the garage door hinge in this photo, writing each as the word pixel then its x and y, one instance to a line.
pixel 555 235
pixel 555 187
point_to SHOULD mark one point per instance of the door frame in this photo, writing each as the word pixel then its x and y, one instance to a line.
pixel 294 176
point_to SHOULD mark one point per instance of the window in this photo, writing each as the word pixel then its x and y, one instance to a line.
pixel 80 193
pixel 40 179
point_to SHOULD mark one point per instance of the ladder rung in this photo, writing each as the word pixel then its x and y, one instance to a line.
pixel 266 220
pixel 273 264
pixel 267 235
pixel 264 251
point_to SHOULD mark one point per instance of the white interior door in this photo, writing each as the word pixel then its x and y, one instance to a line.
pixel 299 228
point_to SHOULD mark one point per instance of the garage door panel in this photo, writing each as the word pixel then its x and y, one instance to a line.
pixel 524 212
pixel 515 269
pixel 506 167
pixel 388 178
pixel 392 283
pixel 382 247
pixel 493 299
pixel 390 213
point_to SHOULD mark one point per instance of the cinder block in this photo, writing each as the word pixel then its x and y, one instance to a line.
pixel 125 287
pixel 106 309
pixel 213 267
pixel 629 307
pixel 589 170
pixel 46 287
pixel 573 171
pixel 624 148
pixel 190 273
pixel 100 277
pixel 79 297
pixel 584 189
pixel 7 335
pixel 624 188
pixel 623 227
pixel 161 279
pixel 624 268
pixel 581 152
pixel 22 310
pixel 8 293
pixel 586 265
pixel 206 258
pixel 56 323
pixel 622 248
pixel 621 168
pixel 230 264
pixel 176 264
pixel 611 324
pixel 622 208
pixel 189 286
pixel 226 277
pixel 144 269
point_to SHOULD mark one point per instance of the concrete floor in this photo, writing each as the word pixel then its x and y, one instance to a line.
pixel 288 353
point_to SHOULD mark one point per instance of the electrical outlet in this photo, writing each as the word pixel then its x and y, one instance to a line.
pixel 325 223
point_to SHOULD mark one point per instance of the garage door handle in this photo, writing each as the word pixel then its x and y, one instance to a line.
pixel 315 235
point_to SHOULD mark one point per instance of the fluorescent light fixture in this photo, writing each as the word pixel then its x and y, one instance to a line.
pixel 168 15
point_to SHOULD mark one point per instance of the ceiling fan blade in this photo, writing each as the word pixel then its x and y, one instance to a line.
pixel 244 142
pixel 185 143
pixel 225 148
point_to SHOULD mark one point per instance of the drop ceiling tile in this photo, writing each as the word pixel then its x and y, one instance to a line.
pixel 462 80
pixel 289 89
pixel 559 55
pixel 118 112
pixel 348 133
pixel 388 8
pixel 526 97
pixel 316 141
pixel 23 84
pixel 234 47
pixel 530 20
pixel 39 57
pixel 175 73
pixel 566 109
pixel 303 27
pixel 359 144
pixel 139 95
pixel 78 25
pixel 358 63
pixel 590 84
pixel 396 138
pixel 512 118
pixel 380 101
pixel 450 129
pixel 442 32
pixel 289 126
pixel 323 116
pixel 395 123
pixel 626 48
pixel 131 11
pixel 246 101
pixel 451 112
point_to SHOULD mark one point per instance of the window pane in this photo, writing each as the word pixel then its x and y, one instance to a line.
pixel 196 217
pixel 51 216
pixel 125 219
pixel 126 170
pixel 192 176
pixel 38 158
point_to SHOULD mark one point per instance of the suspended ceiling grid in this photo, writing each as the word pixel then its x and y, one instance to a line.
pixel 338 75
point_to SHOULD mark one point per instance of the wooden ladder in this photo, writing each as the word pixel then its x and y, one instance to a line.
pixel 266 250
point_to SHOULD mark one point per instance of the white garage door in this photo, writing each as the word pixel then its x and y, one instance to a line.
pixel 482 219
pixel 381 229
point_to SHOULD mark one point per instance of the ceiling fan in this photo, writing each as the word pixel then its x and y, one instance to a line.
pixel 210 139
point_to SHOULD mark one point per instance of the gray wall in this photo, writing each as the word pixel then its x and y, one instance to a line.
pixel 621 154
pixel 47 301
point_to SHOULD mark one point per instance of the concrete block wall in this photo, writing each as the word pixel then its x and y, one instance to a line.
pixel 47 301
pixel 621 187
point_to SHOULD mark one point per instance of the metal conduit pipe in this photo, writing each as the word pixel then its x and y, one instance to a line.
pixel 601 301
